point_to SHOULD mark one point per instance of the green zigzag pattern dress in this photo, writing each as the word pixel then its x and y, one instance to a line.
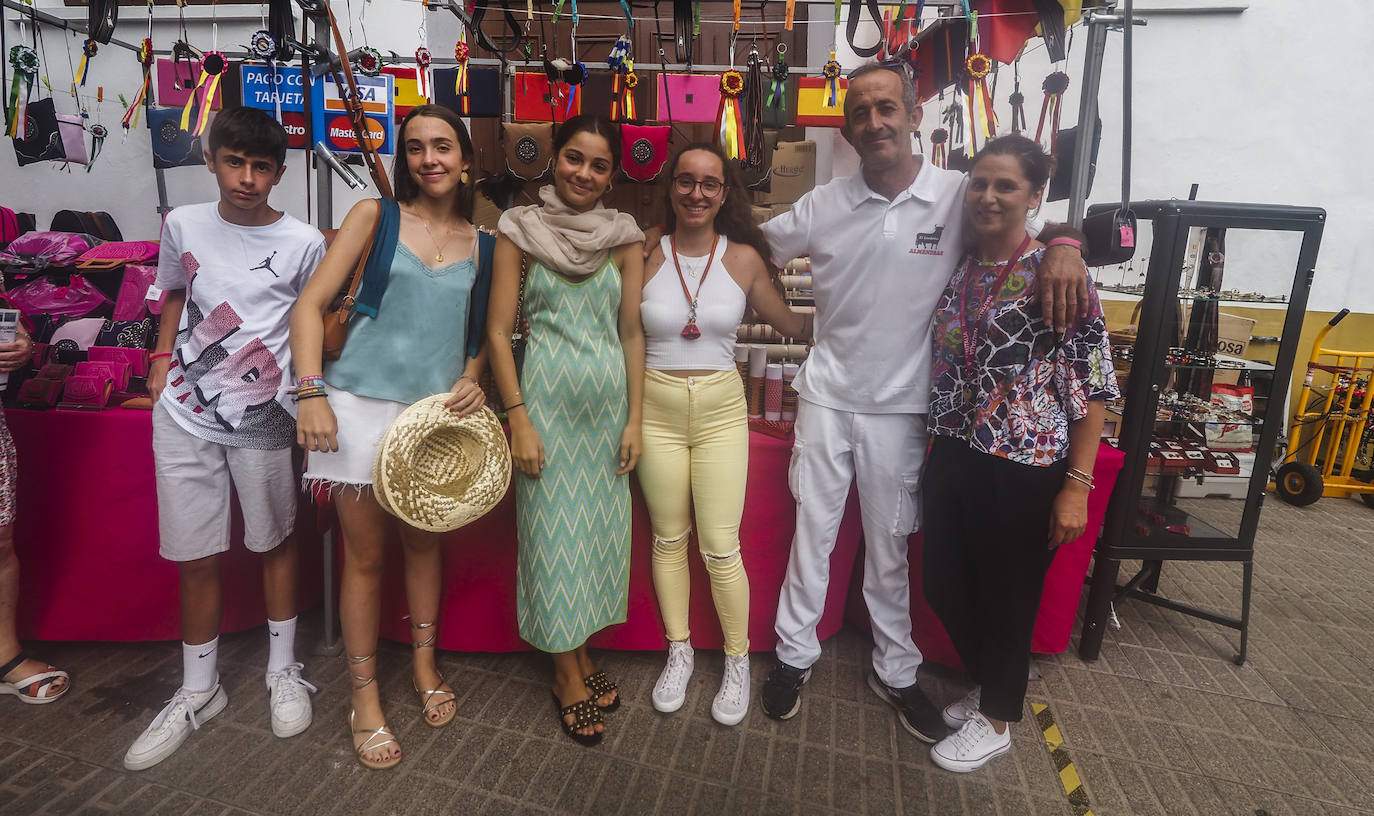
pixel 574 521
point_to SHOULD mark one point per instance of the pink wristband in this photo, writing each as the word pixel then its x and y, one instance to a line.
pixel 159 355
pixel 1066 241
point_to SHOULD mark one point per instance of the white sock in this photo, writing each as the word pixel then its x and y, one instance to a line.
pixel 199 664
pixel 281 644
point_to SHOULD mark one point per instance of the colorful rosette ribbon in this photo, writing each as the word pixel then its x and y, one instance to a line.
pixel 89 49
pixel 212 67
pixel 263 45
pixel 729 120
pixel 1054 87
pixel 574 76
pixel 423 60
pixel 145 59
pixel 24 61
pixel 939 155
pixel 623 81
pixel 369 61
pixel 1017 100
pixel 461 52
pixel 831 72
pixel 982 120
pixel 98 134
pixel 777 88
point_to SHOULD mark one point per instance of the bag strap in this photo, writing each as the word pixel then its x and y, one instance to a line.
pixel 481 291
pixel 355 115
pixel 378 264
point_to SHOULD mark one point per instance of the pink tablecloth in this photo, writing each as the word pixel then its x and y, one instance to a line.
pixel 478 611
pixel 1063 583
pixel 87 539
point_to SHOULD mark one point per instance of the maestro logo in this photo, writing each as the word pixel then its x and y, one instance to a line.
pixel 294 125
pixel 341 133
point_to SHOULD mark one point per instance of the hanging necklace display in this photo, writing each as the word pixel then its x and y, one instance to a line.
pixel 623 80
pixel 729 127
pixel 1017 101
pixel 981 117
pixel 690 331
pixel 24 62
pixel 1054 87
pixel 938 147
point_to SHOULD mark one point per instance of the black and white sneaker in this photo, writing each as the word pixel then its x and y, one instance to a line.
pixel 917 714
pixel 781 697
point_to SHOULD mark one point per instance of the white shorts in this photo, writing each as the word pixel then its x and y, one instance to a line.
pixel 194 480
pixel 362 424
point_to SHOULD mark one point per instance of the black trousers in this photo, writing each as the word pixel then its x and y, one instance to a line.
pixel 986 524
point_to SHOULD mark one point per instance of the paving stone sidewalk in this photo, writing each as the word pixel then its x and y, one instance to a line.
pixel 1162 723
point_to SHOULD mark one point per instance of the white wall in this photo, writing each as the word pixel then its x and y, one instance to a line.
pixel 1258 106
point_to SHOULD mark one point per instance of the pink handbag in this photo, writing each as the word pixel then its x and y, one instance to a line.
pixel 133 289
pixel 176 81
pixel 39 250
pixel 73 133
pixel 43 296
pixel 113 253
pixel 688 97
pixel 88 388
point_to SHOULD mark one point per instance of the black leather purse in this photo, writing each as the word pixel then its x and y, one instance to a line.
pixel 44 142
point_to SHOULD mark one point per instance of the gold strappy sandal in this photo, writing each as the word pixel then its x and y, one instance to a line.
pixel 427 696
pixel 376 738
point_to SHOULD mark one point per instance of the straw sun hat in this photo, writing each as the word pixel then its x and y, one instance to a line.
pixel 438 471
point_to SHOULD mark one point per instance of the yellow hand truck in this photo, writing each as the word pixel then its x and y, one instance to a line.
pixel 1330 436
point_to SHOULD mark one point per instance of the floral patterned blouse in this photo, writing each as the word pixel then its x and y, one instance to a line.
pixel 1028 387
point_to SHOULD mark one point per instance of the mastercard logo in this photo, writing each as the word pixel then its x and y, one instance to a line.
pixel 341 133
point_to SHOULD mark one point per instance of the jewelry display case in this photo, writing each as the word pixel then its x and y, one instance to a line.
pixel 1190 412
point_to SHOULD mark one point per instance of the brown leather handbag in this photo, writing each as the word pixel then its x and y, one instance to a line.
pixel 341 307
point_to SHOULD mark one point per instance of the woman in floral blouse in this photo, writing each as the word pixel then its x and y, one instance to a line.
pixel 1015 414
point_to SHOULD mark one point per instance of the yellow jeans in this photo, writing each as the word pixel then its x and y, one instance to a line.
pixel 696 454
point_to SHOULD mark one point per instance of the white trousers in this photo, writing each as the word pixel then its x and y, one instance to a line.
pixel 884 454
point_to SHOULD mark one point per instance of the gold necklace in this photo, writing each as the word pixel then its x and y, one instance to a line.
pixel 439 250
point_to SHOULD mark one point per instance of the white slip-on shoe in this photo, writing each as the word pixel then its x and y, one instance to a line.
pixel 288 698
pixel 958 712
pixel 972 746
pixel 184 713
pixel 732 701
pixel 670 692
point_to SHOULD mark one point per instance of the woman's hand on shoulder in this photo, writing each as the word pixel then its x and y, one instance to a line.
pixel 652 236
pixel 316 427
pixel 465 397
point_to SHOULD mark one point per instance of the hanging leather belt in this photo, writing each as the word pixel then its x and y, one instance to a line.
pixel 853 26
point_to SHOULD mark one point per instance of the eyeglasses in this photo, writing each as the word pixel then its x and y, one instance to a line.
pixel 899 65
pixel 684 185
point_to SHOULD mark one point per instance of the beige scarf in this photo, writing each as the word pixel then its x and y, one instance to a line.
pixel 571 242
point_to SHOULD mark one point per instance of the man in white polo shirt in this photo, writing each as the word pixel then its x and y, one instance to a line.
pixel 883 244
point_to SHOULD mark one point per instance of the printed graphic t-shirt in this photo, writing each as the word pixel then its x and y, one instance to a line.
pixel 231 365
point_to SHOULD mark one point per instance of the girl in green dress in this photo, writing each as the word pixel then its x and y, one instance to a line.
pixel 574 410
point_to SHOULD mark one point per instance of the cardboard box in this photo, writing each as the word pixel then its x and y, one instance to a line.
pixel 760 214
pixel 794 173
pixel 1234 332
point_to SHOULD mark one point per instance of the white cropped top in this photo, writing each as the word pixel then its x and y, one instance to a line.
pixel 663 310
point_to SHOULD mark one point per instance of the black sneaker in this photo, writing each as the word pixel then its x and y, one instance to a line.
pixel 917 714
pixel 781 696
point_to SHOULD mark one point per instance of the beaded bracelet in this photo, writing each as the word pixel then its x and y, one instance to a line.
pixel 310 395
pixel 309 379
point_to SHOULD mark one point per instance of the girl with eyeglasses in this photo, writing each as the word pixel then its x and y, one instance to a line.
pixel 710 264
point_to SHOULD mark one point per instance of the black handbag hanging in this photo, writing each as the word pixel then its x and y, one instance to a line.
pixel 43 140
pixel 172 146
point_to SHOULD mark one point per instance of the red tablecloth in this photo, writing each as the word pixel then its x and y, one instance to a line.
pixel 1063 582
pixel 87 539
pixel 478 610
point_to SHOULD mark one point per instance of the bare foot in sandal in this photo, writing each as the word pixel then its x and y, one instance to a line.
pixel 438 703
pixel 373 741
pixel 609 693
pixel 45 683
pixel 570 690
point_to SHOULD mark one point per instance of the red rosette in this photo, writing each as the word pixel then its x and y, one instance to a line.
pixel 732 83
pixel 1055 83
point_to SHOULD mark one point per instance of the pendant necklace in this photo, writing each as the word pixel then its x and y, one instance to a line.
pixel 690 331
pixel 439 250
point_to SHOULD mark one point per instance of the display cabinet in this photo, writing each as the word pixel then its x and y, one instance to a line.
pixel 1190 414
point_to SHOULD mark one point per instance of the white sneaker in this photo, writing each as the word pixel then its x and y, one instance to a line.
pixel 732 701
pixel 958 712
pixel 288 699
pixel 670 692
pixel 970 748
pixel 185 712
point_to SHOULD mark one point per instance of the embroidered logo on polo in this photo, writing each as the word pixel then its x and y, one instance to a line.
pixel 928 243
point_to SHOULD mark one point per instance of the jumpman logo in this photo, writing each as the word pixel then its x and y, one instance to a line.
pixel 267 264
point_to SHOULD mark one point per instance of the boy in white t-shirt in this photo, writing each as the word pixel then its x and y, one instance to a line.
pixel 222 417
